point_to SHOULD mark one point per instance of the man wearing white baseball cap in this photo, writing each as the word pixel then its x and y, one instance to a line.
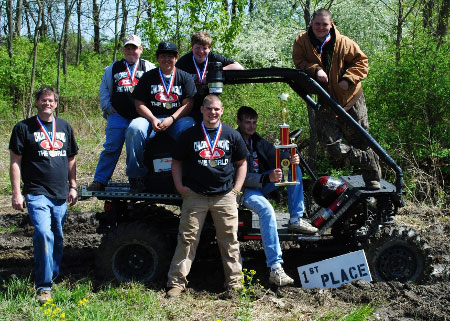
pixel 118 106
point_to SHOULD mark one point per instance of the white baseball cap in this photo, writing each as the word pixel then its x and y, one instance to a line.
pixel 133 40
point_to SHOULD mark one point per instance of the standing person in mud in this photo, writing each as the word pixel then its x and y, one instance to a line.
pixel 259 182
pixel 213 157
pixel 164 99
pixel 42 151
pixel 339 65
pixel 196 64
pixel 118 106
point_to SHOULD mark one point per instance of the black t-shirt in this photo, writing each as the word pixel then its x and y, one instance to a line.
pixel 44 171
pixel 151 91
pixel 187 64
pixel 198 174
pixel 121 98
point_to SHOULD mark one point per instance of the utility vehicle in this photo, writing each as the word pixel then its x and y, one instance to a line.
pixel 140 229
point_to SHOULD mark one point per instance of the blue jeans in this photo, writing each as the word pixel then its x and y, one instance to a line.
pixel 115 137
pixel 254 200
pixel 137 136
pixel 48 216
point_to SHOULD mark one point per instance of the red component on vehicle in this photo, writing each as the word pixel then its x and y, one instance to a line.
pixel 327 189
pixel 107 207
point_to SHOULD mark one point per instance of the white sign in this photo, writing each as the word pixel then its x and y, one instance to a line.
pixel 334 272
pixel 162 164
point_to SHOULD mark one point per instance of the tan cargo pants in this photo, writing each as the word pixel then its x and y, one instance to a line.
pixel 225 216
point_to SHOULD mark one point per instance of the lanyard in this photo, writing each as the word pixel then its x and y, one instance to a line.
pixel 132 74
pixel 167 90
pixel 51 137
pixel 212 143
pixel 200 74
pixel 325 41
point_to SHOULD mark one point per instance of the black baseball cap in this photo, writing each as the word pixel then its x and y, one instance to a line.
pixel 167 47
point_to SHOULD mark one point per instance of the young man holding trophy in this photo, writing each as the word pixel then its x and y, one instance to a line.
pixel 261 179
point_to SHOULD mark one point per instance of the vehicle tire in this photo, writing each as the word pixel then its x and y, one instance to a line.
pixel 398 254
pixel 134 252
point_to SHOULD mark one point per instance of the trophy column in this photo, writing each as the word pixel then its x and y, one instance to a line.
pixel 284 144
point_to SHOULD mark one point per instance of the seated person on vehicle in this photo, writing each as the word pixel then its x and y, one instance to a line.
pixel 259 181
pixel 118 106
pixel 196 64
pixel 164 98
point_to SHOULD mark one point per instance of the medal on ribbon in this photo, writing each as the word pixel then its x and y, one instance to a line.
pixel 50 137
pixel 132 74
pixel 212 143
pixel 200 74
pixel 167 87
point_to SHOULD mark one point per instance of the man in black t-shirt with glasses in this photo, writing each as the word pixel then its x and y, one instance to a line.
pixel 213 157
pixel 42 151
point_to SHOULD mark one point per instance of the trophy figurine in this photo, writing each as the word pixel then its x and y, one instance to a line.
pixel 282 145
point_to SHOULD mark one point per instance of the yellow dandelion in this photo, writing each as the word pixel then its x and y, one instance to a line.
pixel 62 315
pixel 262 287
pixel 252 272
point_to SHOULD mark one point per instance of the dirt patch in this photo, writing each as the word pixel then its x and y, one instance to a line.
pixel 393 300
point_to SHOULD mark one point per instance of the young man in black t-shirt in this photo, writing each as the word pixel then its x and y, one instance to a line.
pixel 42 151
pixel 164 98
pixel 213 156
pixel 196 64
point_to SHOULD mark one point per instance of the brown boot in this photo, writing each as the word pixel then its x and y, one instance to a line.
pixel 173 293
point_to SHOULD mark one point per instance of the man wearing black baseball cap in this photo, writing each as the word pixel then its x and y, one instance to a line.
pixel 164 98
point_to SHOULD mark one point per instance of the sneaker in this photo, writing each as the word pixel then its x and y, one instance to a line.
pixel 372 185
pixel 137 185
pixel 280 278
pixel 173 292
pixel 302 226
pixel 44 296
pixel 96 186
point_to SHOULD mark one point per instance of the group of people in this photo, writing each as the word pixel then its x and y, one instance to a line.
pixel 140 100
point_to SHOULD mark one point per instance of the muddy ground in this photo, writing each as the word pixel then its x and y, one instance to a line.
pixel 395 301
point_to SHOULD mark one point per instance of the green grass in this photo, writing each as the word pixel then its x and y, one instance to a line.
pixel 82 300
pixel 8 229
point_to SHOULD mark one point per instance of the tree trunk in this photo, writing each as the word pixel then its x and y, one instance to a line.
pixel 18 22
pixel 9 9
pixel 123 29
pixel 27 19
pixel 79 39
pixel 116 30
pixel 442 26
pixel 51 20
pixel 398 41
pixel 251 6
pixel 67 12
pixel 307 12
pixel 96 18
pixel 138 16
pixel 35 45
pixel 178 24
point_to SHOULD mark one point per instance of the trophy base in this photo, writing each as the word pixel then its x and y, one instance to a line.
pixel 287 183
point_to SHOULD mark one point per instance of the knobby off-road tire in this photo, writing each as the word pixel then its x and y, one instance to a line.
pixel 398 254
pixel 134 252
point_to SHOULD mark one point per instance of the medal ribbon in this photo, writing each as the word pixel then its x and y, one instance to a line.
pixel 200 74
pixel 212 144
pixel 132 74
pixel 326 40
pixel 51 139
pixel 171 81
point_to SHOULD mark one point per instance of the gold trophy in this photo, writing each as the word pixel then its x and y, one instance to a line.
pixel 285 144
